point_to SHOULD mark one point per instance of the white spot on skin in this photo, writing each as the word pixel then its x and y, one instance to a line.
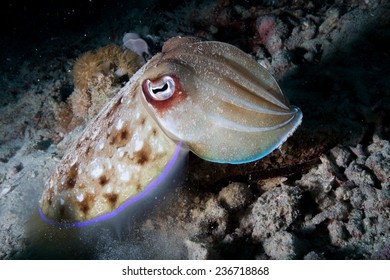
pixel 80 197
pixel 101 146
pixel 97 172
pixel 148 128
pixel 119 124
pixel 108 188
pixel 121 152
pixel 120 167
pixel 138 145
pixel 124 174
pixel 62 202
pixel 96 168
pixel 160 149
pixel 135 169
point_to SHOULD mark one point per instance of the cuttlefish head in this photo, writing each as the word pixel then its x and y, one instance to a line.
pixel 217 100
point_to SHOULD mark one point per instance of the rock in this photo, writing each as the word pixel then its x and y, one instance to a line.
pixel 271 31
pixel 314 256
pixel 359 152
pixel 355 225
pixel 330 22
pixel 379 160
pixel 274 211
pixel 271 183
pixel 300 34
pixel 358 175
pixel 357 198
pixel 344 191
pixel 338 211
pixel 367 198
pixel 4 189
pixel 371 201
pixel 337 233
pixel 196 251
pixel 283 246
pixel 235 196
pixel 209 222
pixel 320 181
pixel 383 253
pixel 280 63
pixel 341 156
pixel 379 145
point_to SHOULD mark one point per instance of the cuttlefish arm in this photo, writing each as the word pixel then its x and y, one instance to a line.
pixel 207 97
pixel 218 101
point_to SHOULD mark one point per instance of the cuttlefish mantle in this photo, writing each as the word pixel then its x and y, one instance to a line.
pixel 206 97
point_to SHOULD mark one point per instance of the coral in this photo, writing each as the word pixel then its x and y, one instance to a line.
pixel 267 33
pixel 97 78
pixel 63 114
pixel 102 61
pixel 85 67
pixel 80 101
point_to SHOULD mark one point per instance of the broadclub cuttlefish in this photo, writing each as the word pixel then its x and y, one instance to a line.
pixel 207 97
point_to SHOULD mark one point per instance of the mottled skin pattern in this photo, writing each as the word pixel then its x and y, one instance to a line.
pixel 117 156
pixel 211 96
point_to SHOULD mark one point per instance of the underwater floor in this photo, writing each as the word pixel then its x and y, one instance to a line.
pixel 324 194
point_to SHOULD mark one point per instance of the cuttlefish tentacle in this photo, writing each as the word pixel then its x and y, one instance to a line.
pixel 207 97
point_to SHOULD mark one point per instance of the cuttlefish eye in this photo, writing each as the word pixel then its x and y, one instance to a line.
pixel 160 89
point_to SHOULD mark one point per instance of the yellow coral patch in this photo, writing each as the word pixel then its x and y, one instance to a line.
pixel 95 75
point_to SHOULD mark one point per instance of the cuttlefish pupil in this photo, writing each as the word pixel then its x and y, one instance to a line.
pixel 163 93
pixel 160 89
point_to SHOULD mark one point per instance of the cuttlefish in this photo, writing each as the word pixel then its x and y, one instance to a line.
pixel 206 97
